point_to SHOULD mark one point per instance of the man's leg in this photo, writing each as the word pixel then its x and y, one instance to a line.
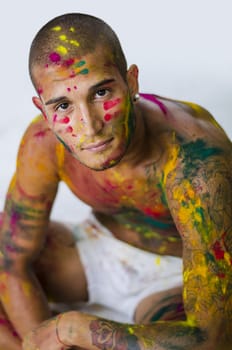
pixel 60 273
pixel 59 268
pixel 162 306
pixel 9 339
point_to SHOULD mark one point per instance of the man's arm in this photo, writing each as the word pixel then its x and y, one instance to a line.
pixel 25 219
pixel 198 183
pixel 197 180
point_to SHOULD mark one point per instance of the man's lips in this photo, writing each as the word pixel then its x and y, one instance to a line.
pixel 97 146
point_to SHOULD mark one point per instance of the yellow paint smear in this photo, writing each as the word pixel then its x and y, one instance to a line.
pixel 26 288
pixel 62 50
pixel 63 37
pixel 74 43
pixel 56 29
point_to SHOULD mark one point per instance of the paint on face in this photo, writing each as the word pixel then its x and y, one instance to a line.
pixel 69 62
pixel 62 50
pixel 69 129
pixel 107 117
pixel 54 57
pixel 57 29
pixel 77 67
pixel 64 120
pixel 110 104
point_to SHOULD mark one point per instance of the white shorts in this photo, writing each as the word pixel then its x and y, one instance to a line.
pixel 119 276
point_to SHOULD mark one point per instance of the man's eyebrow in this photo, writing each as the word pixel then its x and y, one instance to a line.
pixel 55 100
pixel 101 83
pixel 93 87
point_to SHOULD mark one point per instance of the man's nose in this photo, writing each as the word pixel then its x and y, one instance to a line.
pixel 92 121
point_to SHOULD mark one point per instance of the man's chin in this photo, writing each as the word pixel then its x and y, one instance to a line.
pixel 102 166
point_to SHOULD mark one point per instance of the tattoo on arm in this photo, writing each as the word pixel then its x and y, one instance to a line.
pixel 113 336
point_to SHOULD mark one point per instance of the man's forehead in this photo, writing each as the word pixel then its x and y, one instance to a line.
pixel 77 67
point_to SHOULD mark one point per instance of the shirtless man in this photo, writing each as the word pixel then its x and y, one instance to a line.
pixel 157 174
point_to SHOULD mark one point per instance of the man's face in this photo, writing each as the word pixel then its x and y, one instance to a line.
pixel 88 107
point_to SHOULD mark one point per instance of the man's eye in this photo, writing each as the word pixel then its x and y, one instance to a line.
pixel 62 106
pixel 101 92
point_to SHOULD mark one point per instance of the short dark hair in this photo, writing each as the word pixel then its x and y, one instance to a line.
pixel 76 34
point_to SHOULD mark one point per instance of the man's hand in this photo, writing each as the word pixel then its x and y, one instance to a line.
pixel 44 337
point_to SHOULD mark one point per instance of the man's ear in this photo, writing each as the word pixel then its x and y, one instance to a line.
pixel 132 80
pixel 39 104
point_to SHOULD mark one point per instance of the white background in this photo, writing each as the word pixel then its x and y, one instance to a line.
pixel 182 47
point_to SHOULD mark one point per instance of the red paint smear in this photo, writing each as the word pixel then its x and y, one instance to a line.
pixel 54 57
pixel 69 129
pixel 152 98
pixel 72 75
pixel 40 91
pixel 130 187
pixel 110 104
pixel 68 89
pixel 153 213
pixel 107 117
pixel 218 251
pixel 68 62
pixel 64 120
pixel 221 275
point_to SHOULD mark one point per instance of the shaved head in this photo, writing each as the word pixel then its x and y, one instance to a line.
pixel 71 36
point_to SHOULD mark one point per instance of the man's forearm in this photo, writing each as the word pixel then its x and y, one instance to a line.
pixel 76 329
pixel 23 301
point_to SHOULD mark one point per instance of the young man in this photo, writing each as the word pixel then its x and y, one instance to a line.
pixel 157 248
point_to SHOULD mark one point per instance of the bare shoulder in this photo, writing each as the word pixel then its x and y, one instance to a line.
pixel 36 160
pixel 194 121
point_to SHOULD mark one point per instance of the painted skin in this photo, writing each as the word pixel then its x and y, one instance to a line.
pixel 162 184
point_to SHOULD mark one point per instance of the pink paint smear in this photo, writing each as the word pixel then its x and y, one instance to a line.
pixel 153 98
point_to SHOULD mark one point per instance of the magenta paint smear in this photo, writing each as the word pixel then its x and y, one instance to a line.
pixel 152 98
pixel 40 91
pixel 6 323
pixel 14 219
pixel 68 89
pixel 54 57
pixel 107 117
pixel 54 118
pixel 110 104
pixel 40 134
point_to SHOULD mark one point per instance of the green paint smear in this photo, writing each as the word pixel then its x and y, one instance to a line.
pixel 63 143
pixel 162 311
pixel 194 153
pixel 79 64
pixel 84 71
pixel 163 195
pixel 134 218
